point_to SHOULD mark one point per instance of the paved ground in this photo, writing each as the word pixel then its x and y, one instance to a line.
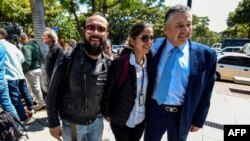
pixel 232 89
pixel 229 105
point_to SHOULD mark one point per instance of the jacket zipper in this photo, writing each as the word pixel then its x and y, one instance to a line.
pixel 86 100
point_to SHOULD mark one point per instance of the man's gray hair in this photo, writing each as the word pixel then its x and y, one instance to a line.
pixel 52 34
pixel 23 35
pixel 3 33
pixel 174 9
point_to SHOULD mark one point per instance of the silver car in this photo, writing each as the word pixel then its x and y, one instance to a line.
pixel 230 65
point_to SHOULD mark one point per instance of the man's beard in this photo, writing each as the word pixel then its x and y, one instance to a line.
pixel 95 49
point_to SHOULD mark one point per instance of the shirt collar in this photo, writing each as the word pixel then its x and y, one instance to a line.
pixel 183 48
pixel 132 61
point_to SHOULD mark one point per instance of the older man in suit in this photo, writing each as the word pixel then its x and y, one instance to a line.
pixel 181 80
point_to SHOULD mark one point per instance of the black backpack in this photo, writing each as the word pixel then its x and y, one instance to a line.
pixel 8 128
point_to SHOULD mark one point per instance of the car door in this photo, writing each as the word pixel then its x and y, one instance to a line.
pixel 228 67
pixel 245 71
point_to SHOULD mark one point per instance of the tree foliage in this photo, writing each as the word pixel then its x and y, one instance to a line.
pixel 122 20
pixel 15 11
pixel 201 32
pixel 121 14
pixel 238 21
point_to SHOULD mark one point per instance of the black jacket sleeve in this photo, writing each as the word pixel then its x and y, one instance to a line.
pixel 110 86
pixel 54 93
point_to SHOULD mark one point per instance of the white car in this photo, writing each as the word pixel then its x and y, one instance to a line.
pixel 117 48
pixel 230 65
pixel 232 49
pixel 246 48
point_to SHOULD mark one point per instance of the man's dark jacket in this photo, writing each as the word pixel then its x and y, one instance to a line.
pixel 76 98
pixel 200 84
pixel 51 58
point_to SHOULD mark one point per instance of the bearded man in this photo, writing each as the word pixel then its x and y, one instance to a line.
pixel 76 86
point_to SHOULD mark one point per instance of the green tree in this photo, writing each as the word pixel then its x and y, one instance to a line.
pixel 72 7
pixel 68 28
pixel 239 20
pixel 122 20
pixel 16 12
pixel 201 32
pixel 120 13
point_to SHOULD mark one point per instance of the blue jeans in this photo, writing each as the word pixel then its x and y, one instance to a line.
pixel 5 99
pixel 91 132
pixel 15 96
pixel 23 88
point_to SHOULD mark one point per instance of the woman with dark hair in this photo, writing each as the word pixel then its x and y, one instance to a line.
pixel 64 45
pixel 124 105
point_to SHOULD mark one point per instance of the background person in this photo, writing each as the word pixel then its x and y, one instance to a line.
pixel 124 106
pixel 32 68
pixel 107 50
pixel 5 100
pixel 14 76
pixel 50 38
pixel 64 45
pixel 72 43
pixel 181 80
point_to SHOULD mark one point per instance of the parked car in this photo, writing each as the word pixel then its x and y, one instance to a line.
pixel 216 45
pixel 230 49
pixel 232 64
pixel 117 48
pixel 246 48
pixel 217 50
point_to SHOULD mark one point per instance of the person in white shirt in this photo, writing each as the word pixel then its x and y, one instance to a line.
pixel 15 77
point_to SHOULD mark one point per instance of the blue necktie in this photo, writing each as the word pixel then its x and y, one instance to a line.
pixel 163 86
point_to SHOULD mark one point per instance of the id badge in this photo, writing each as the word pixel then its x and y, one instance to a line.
pixel 141 100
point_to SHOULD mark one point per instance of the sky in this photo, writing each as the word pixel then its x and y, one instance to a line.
pixel 216 10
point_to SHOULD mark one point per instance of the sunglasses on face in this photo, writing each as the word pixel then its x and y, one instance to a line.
pixel 146 38
pixel 93 28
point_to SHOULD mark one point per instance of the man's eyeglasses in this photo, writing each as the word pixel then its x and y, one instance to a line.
pixel 146 38
pixel 92 28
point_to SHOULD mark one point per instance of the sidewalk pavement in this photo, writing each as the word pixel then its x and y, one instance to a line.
pixel 229 105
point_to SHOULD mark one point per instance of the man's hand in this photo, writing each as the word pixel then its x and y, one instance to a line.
pixel 194 128
pixel 56 132
pixel 108 119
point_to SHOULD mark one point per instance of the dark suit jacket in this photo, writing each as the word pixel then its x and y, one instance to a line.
pixel 200 84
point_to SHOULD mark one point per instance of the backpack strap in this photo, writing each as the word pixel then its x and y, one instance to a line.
pixel 124 71
pixel 25 130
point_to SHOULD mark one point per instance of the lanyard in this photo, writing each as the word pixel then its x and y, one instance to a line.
pixel 141 96
pixel 142 83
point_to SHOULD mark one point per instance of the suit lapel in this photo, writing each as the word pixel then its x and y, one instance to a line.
pixel 194 63
pixel 194 57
